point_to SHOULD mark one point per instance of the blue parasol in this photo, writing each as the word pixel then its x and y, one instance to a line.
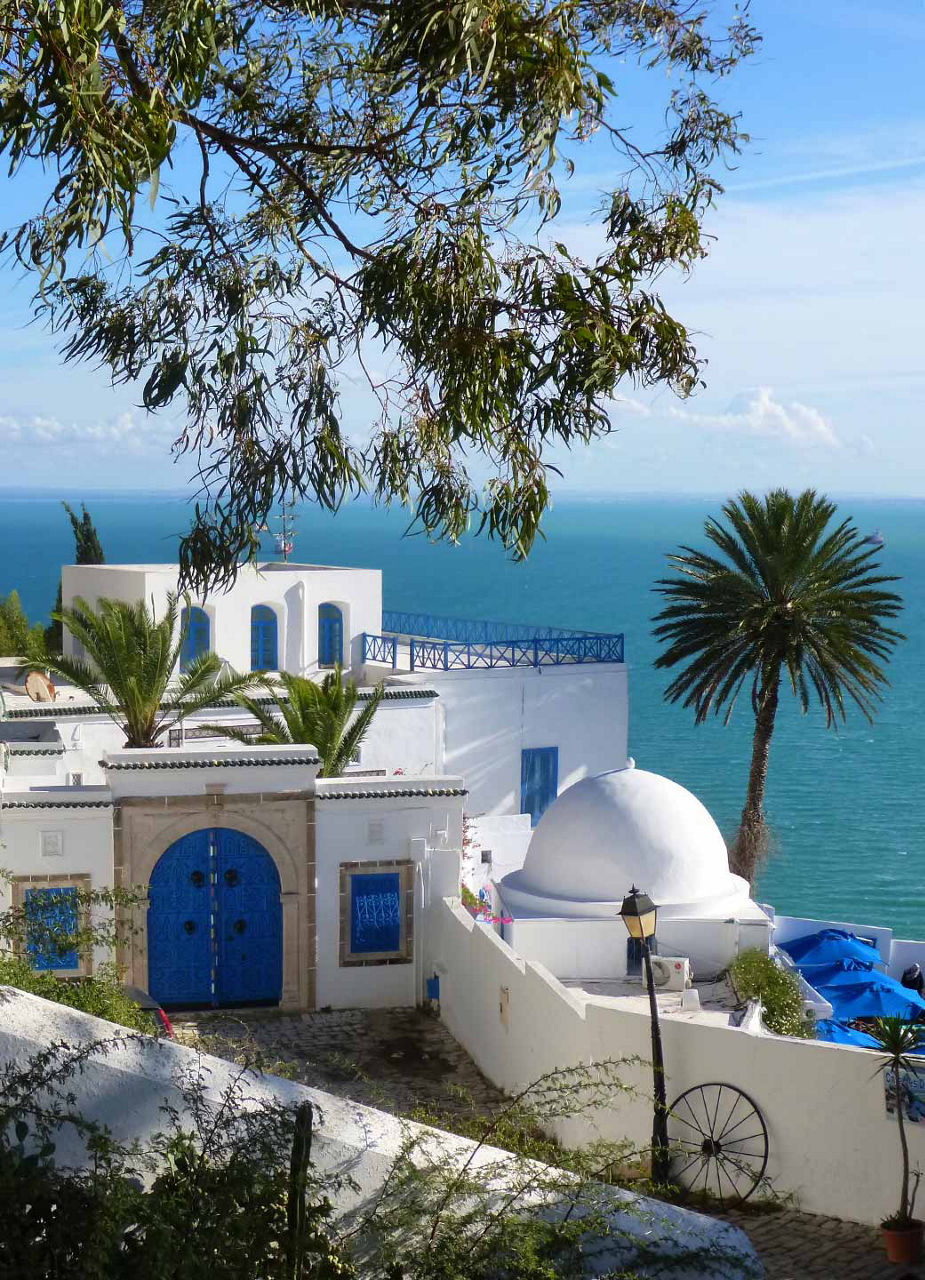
pixel 870 995
pixel 836 1032
pixel 830 945
pixel 831 975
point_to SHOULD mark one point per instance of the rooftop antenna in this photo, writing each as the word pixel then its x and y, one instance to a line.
pixel 285 539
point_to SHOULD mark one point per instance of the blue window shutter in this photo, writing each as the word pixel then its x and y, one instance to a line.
pixel 375 913
pixel 197 639
pixel 263 639
pixel 539 780
pixel 330 635
pixel 51 910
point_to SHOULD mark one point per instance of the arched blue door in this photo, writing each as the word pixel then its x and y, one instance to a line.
pixel 263 639
pixel 330 635
pixel 197 639
pixel 215 925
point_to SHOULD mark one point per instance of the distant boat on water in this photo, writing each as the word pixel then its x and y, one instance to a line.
pixel 874 539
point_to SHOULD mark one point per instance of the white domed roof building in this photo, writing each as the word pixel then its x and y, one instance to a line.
pixel 604 835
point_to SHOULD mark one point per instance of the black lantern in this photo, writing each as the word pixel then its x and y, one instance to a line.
pixel 639 913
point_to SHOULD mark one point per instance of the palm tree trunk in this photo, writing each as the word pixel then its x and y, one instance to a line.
pixel 904 1190
pixel 751 838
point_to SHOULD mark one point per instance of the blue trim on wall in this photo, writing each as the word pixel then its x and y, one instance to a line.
pixel 264 639
pixel 330 635
pixel 539 780
pixel 197 639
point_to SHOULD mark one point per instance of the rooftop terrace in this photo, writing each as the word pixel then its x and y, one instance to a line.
pixel 415 641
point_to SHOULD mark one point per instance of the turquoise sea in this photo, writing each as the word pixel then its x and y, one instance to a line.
pixel 847 808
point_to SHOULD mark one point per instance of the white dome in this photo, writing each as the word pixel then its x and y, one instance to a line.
pixel 607 833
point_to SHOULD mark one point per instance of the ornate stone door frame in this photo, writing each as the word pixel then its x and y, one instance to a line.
pixel 144 828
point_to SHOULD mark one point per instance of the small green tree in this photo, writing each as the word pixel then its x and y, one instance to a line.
pixel 899 1040
pixel 87 546
pixel 319 715
pixel 87 550
pixel 755 976
pixel 19 638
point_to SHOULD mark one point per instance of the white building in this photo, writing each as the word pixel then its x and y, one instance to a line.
pixel 266 884
pixel 600 838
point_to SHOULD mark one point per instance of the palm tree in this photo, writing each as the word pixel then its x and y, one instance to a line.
pixel 316 714
pixel 898 1040
pixel 130 660
pixel 787 592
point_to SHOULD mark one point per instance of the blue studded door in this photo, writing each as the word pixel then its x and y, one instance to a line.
pixel 215 922
pixel 180 923
pixel 249 922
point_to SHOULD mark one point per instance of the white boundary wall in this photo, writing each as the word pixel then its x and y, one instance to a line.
pixel 831 1142
pixel 125 1089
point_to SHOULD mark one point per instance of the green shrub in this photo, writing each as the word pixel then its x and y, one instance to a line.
pixel 755 976
pixel 101 995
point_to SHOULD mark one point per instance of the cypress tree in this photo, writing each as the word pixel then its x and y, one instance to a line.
pixel 87 550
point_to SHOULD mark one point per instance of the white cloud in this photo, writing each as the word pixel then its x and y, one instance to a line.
pixel 758 413
pixel 119 434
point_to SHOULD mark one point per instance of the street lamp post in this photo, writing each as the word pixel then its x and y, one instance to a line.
pixel 639 914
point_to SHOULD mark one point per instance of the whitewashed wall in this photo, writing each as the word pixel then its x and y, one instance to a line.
pixel 293 591
pixel 127 1085
pixel 86 846
pixel 196 770
pixel 404 735
pixel 596 948
pixel 831 1142
pixel 491 716
pixel 350 831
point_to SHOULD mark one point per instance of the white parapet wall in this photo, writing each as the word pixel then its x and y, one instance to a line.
pixel 832 1144
pixel 126 1083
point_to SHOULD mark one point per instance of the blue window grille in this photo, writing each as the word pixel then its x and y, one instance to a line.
pixel 264 655
pixel 539 780
pixel 375 913
pixel 634 955
pixel 197 641
pixel 51 922
pixel 330 635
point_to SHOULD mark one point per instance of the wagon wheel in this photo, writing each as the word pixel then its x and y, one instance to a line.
pixel 719 1142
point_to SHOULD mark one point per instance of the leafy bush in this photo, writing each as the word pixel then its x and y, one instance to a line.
pixel 19 638
pixel 755 976
pixel 102 995
pixel 227 1192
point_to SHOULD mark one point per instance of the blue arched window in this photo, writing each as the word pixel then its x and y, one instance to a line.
pixel 330 635
pixel 196 642
pixel 263 639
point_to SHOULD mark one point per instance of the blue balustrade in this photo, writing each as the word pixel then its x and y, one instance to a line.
pixel 466 630
pixel 483 650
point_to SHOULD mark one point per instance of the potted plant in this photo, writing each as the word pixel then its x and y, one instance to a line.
pixel 902 1233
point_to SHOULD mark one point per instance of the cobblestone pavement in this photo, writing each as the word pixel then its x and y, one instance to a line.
pixel 403 1059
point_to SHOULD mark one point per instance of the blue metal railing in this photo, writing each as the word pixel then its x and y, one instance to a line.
pixel 554 648
pixel 380 649
pixel 466 631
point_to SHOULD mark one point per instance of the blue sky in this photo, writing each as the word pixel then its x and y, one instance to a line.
pixel 807 309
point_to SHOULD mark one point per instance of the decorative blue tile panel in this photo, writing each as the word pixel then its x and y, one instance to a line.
pixel 375 913
pixel 51 922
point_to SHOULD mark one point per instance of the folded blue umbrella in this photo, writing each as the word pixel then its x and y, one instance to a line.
pixel 836 1032
pixel 830 945
pixel 842 973
pixel 870 995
